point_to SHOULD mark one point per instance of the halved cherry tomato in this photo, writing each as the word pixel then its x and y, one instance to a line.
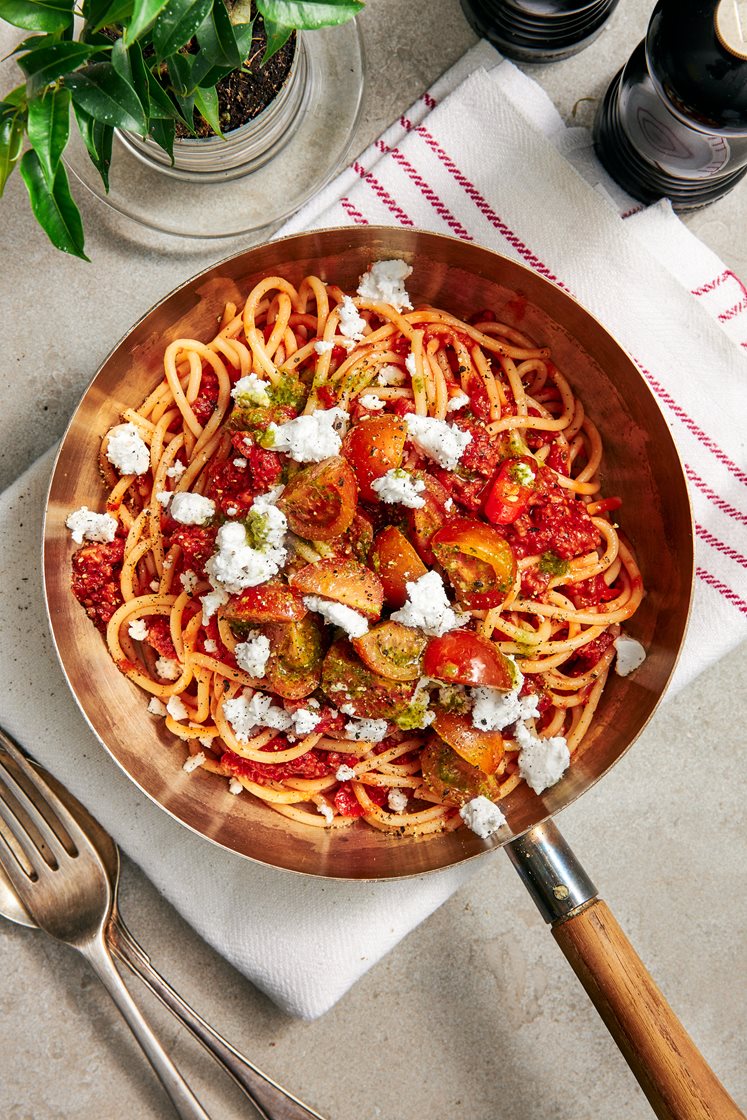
pixel 510 493
pixel 294 668
pixel 348 682
pixel 461 657
pixel 483 749
pixel 452 779
pixel 428 518
pixel 392 650
pixel 268 602
pixel 396 563
pixel 320 501
pixel 373 447
pixel 479 562
pixel 357 541
pixel 346 581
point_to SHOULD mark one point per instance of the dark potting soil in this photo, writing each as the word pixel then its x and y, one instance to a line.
pixel 242 96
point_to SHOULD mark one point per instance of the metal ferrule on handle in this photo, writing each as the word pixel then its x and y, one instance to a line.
pixel 551 873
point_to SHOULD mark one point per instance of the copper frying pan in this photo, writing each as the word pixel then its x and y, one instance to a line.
pixel 642 466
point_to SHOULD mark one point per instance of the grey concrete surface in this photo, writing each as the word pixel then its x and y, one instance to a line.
pixel 475 1014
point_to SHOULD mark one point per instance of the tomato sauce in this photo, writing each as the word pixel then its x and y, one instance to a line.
pixel 95 583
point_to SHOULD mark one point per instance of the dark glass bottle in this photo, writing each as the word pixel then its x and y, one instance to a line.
pixel 673 123
pixel 538 30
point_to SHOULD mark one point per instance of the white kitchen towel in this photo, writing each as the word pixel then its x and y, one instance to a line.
pixel 484 155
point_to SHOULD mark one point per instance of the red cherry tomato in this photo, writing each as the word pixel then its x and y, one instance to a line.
pixel 320 500
pixel 461 657
pixel 428 518
pixel 510 493
pixel 268 602
pixel 396 563
pixel 373 447
pixel 392 650
pixel 294 668
pixel 347 682
pixel 344 580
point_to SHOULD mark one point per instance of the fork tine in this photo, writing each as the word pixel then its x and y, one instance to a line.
pixel 46 833
pixel 78 836
pixel 9 860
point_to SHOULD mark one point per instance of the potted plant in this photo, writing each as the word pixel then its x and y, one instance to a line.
pixel 157 70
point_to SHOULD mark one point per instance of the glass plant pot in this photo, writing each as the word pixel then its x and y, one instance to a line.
pixel 263 171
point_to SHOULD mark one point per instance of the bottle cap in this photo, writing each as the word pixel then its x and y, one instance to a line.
pixel 731 26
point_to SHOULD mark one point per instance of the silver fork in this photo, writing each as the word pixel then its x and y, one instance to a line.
pixel 60 879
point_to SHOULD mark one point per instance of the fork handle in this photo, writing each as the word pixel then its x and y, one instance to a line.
pixel 183 1099
pixel 270 1099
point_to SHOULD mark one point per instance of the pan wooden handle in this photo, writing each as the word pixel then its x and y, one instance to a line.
pixel 674 1075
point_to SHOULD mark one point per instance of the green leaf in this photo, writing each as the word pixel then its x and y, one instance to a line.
pixel 217 39
pixel 108 97
pixel 187 106
pixel 49 128
pixel 161 105
pixel 38 15
pixel 163 132
pixel 97 138
pixel 177 23
pixel 140 74
pixel 47 64
pixel 11 139
pixel 144 12
pixel 53 206
pixel 306 15
pixel 277 36
pixel 206 103
pixel 108 13
pixel 180 73
pixel 16 98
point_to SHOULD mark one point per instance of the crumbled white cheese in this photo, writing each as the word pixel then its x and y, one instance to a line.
pixel 370 400
pixel 399 487
pixel 156 707
pixel 389 375
pixel 345 773
pixel 240 462
pixel 352 324
pixel 427 607
pixel 449 505
pixel 483 816
pixel 247 712
pixel 440 441
pixel 194 762
pixel 232 510
pixel 630 655
pixel 192 509
pixel 235 787
pixel 210 646
pixel 326 810
pixel 367 730
pixel 323 347
pixel 337 614
pixel 494 708
pixel 236 564
pixel 155 585
pixel 252 654
pixel 347 709
pixel 397 800
pixel 176 708
pixel 205 740
pixel 251 390
pixel 168 669
pixel 385 283
pixel 138 629
pixel 309 439
pixel 176 470
pixel 457 402
pixel 542 762
pixel 163 497
pixel 84 524
pixel 211 601
pixel 189 580
pixel 304 721
pixel 127 451
pixel 410 365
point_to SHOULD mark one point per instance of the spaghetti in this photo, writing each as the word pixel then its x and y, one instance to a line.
pixel 358 556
